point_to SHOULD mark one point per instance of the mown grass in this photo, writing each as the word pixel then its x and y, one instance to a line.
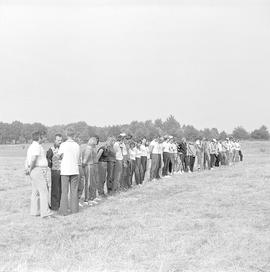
pixel 211 221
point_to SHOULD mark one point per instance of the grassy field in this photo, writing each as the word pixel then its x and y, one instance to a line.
pixel 211 221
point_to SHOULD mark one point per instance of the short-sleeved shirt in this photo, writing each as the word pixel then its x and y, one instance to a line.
pixel 166 147
pixel 144 150
pixel 155 146
pixel 132 154
pixel 35 149
pixel 138 152
pixel 71 158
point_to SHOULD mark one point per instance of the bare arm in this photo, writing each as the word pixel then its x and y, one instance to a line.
pixel 32 165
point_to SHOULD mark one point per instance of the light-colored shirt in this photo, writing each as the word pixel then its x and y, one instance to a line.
pixel 219 147
pixel 155 146
pixel 35 149
pixel 71 158
pixel 166 147
pixel 138 152
pixel 132 153
pixel 144 150
pixel 160 148
pixel 118 151
pixel 237 147
pixel 174 148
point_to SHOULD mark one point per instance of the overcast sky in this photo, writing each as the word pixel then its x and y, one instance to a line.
pixel 111 62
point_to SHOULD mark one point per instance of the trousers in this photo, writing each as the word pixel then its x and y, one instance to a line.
pixel 40 192
pixel 69 184
pixel 55 189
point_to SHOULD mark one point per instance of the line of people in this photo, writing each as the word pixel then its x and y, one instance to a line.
pixel 83 174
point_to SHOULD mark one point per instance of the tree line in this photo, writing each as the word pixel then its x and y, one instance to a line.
pixel 18 132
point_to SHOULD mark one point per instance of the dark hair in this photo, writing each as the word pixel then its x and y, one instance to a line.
pixel 58 135
pixel 38 134
pixel 97 138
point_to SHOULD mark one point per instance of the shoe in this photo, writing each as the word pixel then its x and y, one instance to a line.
pixel 97 199
pixel 81 205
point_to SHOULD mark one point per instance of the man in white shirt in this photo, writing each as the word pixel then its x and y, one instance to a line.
pixel 70 154
pixel 118 170
pixel 154 150
pixel 166 145
pixel 36 167
pixel 143 157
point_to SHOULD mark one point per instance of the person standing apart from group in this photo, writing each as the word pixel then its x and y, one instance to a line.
pixel 54 163
pixel 36 167
pixel 70 155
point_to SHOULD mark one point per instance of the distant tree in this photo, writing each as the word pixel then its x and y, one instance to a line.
pixel 4 132
pixel 240 133
pixel 26 132
pixel 191 133
pixel 260 134
pixel 222 135
pixel 214 133
pixel 171 126
pixel 114 131
pixel 15 131
pixel 207 133
pixel 158 123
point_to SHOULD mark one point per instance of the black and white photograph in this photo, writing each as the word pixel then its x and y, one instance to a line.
pixel 134 136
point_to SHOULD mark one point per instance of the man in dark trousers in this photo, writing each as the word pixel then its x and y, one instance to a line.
pixel 182 150
pixel 54 162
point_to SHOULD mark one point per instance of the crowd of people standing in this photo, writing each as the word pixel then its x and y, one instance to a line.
pixel 83 174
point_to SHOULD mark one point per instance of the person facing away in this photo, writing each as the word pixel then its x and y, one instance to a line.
pixel 90 165
pixel 199 154
pixel 70 154
pixel 36 167
pixel 54 163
